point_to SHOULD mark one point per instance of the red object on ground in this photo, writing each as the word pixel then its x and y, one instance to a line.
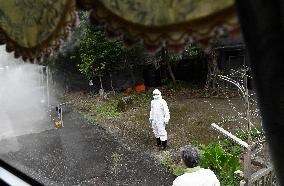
pixel 129 89
pixel 140 88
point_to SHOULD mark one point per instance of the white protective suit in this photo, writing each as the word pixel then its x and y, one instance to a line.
pixel 159 116
pixel 201 177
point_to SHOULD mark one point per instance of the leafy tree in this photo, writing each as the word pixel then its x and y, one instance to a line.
pixel 98 55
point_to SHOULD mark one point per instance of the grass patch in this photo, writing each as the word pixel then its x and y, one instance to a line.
pixel 178 169
pixel 167 162
pixel 108 108
pixel 94 105
pixel 90 119
pixel 115 160
pixel 175 168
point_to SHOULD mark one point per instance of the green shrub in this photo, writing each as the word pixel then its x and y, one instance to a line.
pixel 223 157
pixel 256 133
pixel 230 147
pixel 214 156
pixel 223 163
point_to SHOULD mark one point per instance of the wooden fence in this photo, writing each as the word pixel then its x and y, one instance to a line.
pixel 263 177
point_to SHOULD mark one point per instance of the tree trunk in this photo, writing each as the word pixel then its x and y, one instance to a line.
pixel 110 75
pixel 212 71
pixel 132 78
pixel 101 91
pixel 101 82
pixel 164 58
pixel 171 72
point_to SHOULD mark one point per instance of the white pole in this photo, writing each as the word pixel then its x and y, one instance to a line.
pixel 41 82
pixel 58 112
pixel 47 86
pixel 61 116
pixel 242 183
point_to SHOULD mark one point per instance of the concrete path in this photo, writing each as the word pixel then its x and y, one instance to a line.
pixel 78 154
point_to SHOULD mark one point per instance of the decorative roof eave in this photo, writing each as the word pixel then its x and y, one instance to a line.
pixel 37 31
pixel 174 36
pixel 60 31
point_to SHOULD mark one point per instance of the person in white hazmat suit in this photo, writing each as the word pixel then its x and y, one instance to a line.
pixel 159 119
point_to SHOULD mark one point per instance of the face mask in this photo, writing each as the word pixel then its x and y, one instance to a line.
pixel 156 96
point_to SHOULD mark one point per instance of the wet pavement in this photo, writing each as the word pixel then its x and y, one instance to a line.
pixel 79 154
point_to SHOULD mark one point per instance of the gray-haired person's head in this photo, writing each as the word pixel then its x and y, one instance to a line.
pixel 190 156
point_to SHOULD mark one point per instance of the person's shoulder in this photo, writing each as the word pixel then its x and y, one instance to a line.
pixel 200 177
pixel 208 171
pixel 210 174
pixel 179 181
pixel 185 179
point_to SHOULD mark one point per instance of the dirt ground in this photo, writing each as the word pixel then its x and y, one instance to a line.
pixel 192 113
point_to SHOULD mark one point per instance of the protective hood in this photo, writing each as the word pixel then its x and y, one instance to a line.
pixel 156 91
pixel 157 94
